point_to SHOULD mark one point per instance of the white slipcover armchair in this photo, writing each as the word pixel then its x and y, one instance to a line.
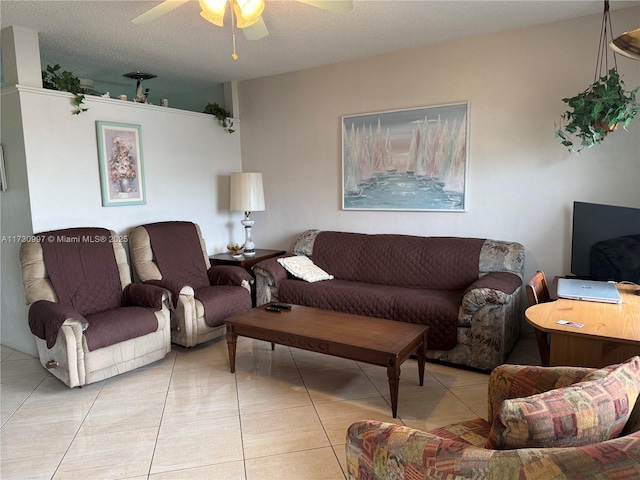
pixel 79 341
pixel 173 255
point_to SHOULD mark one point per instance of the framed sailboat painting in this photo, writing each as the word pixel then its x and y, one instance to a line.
pixel 412 159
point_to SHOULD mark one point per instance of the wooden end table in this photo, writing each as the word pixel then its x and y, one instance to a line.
pixel 246 263
pixel 386 343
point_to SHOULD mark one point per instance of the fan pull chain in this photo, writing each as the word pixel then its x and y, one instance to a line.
pixel 234 55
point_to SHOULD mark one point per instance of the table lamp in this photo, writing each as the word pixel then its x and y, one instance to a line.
pixel 247 195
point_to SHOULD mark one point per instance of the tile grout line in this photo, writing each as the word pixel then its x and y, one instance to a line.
pixel 166 397
pixel 315 409
pixel 78 430
pixel 244 458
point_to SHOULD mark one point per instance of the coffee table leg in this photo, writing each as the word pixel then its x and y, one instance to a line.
pixel 232 339
pixel 393 373
pixel 421 354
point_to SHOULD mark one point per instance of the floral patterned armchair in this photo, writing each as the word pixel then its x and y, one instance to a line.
pixel 377 450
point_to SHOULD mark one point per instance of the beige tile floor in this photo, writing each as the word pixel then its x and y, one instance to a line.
pixel 283 414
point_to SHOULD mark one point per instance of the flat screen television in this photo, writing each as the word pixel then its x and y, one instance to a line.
pixel 605 244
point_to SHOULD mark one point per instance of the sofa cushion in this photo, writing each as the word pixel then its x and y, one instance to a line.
pixel 435 308
pixel 303 268
pixel 588 412
pixel 118 325
pixel 221 302
pixel 339 295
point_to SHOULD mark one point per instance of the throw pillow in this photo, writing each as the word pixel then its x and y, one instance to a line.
pixel 582 414
pixel 303 268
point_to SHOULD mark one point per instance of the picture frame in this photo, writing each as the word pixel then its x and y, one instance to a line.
pixel 3 173
pixel 121 164
pixel 413 159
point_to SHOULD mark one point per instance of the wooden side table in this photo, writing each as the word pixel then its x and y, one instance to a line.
pixel 245 262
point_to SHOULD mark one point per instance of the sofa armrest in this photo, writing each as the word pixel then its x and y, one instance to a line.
pixel 518 381
pixel 380 451
pixel 145 295
pixel 175 289
pixel 501 282
pixel 46 318
pixel 494 288
pixel 229 275
pixel 269 273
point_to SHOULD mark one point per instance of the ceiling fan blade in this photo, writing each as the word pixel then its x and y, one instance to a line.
pixel 256 31
pixel 158 11
pixel 337 6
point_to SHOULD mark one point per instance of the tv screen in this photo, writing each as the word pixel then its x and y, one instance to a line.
pixel 606 242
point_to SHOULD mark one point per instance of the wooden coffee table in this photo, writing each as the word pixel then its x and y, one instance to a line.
pixel 386 343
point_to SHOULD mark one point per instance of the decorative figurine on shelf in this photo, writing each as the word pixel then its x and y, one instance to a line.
pixel 140 96
pixel 139 93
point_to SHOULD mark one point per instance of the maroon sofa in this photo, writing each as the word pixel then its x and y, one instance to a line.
pixel 467 290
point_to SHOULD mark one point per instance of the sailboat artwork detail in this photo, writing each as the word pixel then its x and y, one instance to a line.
pixel 413 159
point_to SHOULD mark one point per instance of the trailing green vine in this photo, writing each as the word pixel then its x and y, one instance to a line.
pixel 597 111
pixel 221 114
pixel 54 79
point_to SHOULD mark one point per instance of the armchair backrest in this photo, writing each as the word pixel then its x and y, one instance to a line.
pixel 144 260
pixel 54 262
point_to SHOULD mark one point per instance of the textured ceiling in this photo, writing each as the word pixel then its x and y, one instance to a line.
pixel 97 40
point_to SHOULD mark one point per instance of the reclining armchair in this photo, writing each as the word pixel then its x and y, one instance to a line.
pixel 89 320
pixel 578 423
pixel 173 255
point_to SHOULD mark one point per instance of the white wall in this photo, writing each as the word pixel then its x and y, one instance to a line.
pixel 187 161
pixel 16 220
pixel 522 181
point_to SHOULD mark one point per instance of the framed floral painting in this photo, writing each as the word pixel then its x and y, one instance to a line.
pixel 121 164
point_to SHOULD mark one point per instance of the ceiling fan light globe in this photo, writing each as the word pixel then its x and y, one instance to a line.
pixel 216 20
pixel 242 22
pixel 214 7
pixel 250 9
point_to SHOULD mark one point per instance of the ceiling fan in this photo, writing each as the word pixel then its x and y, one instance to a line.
pixel 247 12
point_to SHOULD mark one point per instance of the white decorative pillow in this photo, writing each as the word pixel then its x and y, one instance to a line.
pixel 303 268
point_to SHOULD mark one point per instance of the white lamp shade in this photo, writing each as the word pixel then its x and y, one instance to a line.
pixel 247 194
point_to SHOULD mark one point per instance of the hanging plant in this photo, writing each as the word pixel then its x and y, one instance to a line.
pixel 54 79
pixel 604 105
pixel 600 109
pixel 221 114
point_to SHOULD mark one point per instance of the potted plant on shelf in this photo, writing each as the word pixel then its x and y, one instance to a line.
pixel 221 114
pixel 598 110
pixel 54 79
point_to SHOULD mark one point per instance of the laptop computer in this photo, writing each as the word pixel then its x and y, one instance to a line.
pixel 589 290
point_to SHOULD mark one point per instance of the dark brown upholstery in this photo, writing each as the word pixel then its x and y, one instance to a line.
pixel 466 290
pixel 538 292
pixel 178 254
pixel 347 257
pixel 83 271
pixel 434 308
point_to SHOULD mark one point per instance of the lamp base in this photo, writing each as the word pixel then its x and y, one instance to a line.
pixel 248 241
